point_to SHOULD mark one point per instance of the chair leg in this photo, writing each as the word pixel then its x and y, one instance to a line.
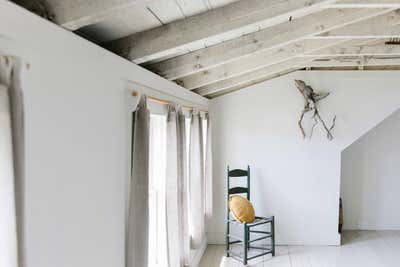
pixel 273 236
pixel 248 238
pixel 227 239
pixel 245 244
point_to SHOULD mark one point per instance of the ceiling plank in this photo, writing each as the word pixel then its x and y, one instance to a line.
pixel 269 38
pixel 232 20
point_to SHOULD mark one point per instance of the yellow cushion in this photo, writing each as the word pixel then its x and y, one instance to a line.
pixel 242 209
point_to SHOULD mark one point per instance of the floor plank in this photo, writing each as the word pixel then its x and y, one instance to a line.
pixel 359 248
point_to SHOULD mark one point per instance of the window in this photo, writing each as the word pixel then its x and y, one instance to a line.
pixel 157 173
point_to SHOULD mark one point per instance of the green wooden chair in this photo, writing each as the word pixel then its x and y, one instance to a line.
pixel 248 228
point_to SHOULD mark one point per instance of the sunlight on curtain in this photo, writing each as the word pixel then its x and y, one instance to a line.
pixel 157 169
pixel 187 124
pixel 157 173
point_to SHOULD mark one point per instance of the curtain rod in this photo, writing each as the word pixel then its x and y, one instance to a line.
pixel 27 64
pixel 166 102
pixel 162 101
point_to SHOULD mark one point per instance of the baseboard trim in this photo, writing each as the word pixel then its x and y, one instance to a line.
pixel 198 254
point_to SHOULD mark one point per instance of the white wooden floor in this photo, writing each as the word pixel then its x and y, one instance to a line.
pixel 359 249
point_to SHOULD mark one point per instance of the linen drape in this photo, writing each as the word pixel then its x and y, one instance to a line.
pixel 208 171
pixel 176 190
pixel 196 177
pixel 138 217
pixel 11 164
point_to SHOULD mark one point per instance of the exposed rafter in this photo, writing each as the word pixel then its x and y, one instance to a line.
pixel 250 83
pixel 248 78
pixel 223 23
pixel 385 26
pixel 374 48
pixel 354 61
pixel 366 4
pixel 269 38
pixel 73 14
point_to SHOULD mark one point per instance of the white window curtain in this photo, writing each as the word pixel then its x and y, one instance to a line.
pixel 179 150
pixel 208 168
pixel 138 217
pixel 178 242
pixel 196 181
pixel 11 163
pixel 157 182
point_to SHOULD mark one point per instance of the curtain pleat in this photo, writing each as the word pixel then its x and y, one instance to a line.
pixel 208 171
pixel 176 190
pixel 196 180
pixel 171 190
pixel 183 186
pixel 11 164
pixel 138 218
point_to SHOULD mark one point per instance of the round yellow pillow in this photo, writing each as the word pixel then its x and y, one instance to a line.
pixel 242 209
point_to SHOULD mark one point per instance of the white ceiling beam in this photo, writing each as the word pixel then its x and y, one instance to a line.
pixel 75 14
pixel 385 26
pixel 250 83
pixel 366 4
pixel 353 62
pixel 223 23
pixel 243 80
pixel 253 62
pixel 269 38
pixel 376 48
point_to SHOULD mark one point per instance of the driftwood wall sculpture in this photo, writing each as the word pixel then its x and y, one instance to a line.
pixel 311 100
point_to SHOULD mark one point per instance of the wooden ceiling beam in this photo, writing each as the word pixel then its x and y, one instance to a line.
pixel 243 80
pixel 279 35
pixel 250 83
pixel 375 48
pixel 385 26
pixel 228 22
pixel 346 61
pixel 366 4
pixel 73 14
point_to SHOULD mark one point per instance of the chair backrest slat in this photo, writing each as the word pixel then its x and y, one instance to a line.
pixel 237 173
pixel 238 190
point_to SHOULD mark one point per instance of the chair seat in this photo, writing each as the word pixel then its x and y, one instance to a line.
pixel 260 220
pixel 257 221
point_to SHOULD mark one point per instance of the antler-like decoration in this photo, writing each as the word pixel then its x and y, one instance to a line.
pixel 310 104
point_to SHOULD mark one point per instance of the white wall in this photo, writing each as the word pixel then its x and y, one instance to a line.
pixel 371 178
pixel 77 142
pixel 297 181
